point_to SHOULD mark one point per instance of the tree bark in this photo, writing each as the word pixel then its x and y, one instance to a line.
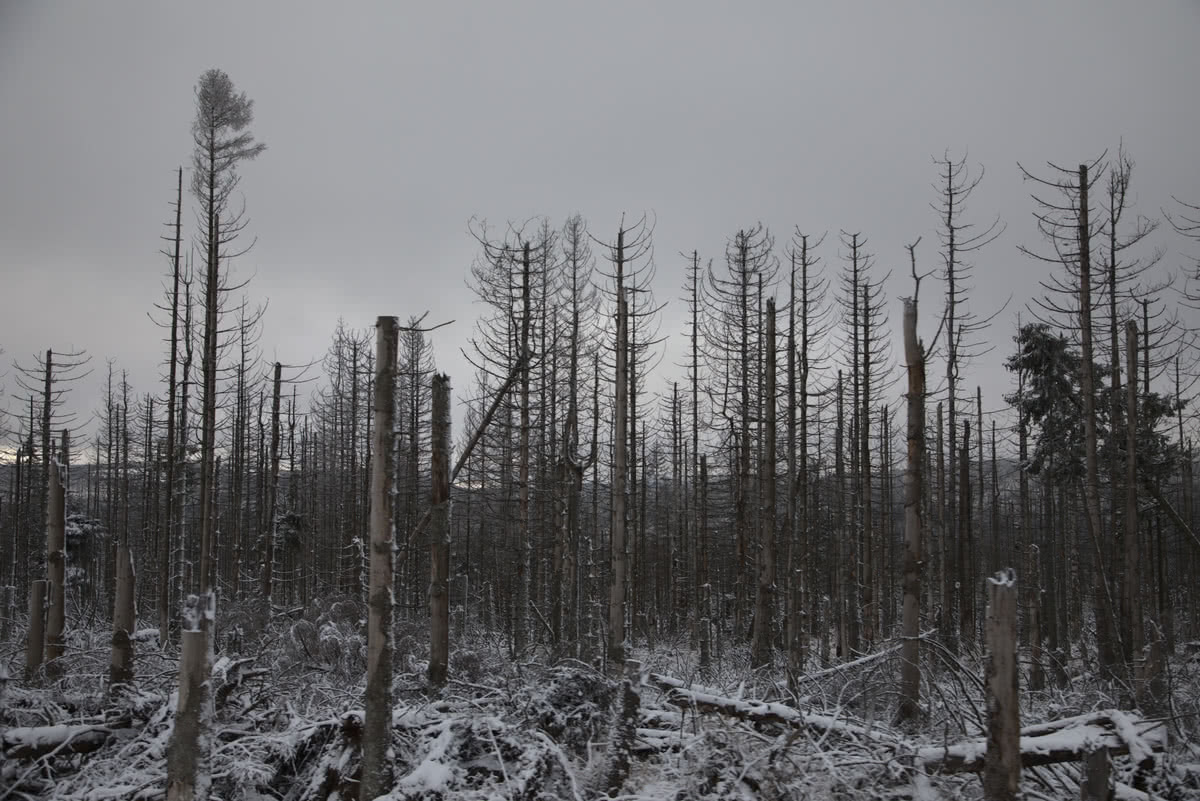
pixel 616 592
pixel 37 632
pixel 910 671
pixel 268 563
pixel 185 778
pixel 167 529
pixel 1131 607
pixel 1002 768
pixel 524 543
pixel 377 724
pixel 55 569
pixel 1087 387
pixel 439 534
pixel 764 605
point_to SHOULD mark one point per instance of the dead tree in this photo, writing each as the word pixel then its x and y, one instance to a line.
pixel 914 356
pixel 56 564
pixel 439 534
pixel 619 550
pixel 166 531
pixel 764 602
pixel 268 559
pixel 377 725
pixel 1131 597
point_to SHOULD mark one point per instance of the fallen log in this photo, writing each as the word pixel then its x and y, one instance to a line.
pixel 33 742
pixel 1064 740
pixel 1048 743
pixel 766 712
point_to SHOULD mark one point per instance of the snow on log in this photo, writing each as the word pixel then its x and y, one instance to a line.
pixel 32 742
pixel 765 712
pixel 1052 744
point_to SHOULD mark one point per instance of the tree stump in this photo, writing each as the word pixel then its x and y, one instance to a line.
pixel 1002 767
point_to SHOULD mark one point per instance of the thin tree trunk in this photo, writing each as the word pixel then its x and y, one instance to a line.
pixel 966 567
pixel 524 543
pixel 55 570
pixel 1131 612
pixel 764 606
pixel 268 563
pixel 35 640
pixel 1091 487
pixel 910 671
pixel 439 534
pixel 616 593
pixel 167 530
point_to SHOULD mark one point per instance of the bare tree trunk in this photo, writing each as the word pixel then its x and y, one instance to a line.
pixel 377 724
pixel 702 577
pixel 55 570
pixel 966 567
pixel 524 543
pixel 208 434
pixel 910 670
pixel 1037 676
pixel 1002 768
pixel 121 663
pixel 124 605
pixel 35 640
pixel 1131 611
pixel 870 597
pixel 185 778
pixel 764 606
pixel 616 593
pixel 796 633
pixel 439 534
pixel 1087 387
pixel 167 530
pixel 946 621
pixel 268 559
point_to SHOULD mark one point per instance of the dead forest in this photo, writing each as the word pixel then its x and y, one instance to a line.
pixel 807 558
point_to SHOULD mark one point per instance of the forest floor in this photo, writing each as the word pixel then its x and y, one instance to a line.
pixel 288 716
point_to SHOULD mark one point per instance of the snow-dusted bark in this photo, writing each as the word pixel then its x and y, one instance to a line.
pixel 187 755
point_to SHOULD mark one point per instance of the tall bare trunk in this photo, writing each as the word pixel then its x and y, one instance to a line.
pixel 167 529
pixel 55 569
pixel 1087 386
pixel 208 444
pixel 1131 612
pixel 121 662
pixel 268 563
pixel 910 672
pixel 439 534
pixel 377 724
pixel 966 566
pixel 616 592
pixel 764 605
pixel 524 541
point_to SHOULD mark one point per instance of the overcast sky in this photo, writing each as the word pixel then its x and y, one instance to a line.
pixel 390 125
